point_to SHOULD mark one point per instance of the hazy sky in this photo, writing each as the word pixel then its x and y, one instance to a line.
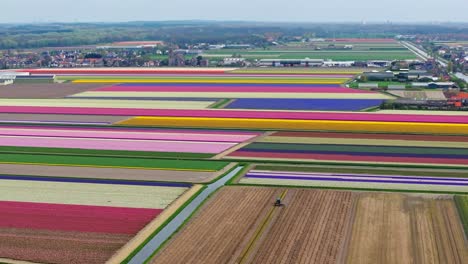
pixel 252 10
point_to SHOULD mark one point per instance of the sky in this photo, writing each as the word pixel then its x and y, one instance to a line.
pixel 40 11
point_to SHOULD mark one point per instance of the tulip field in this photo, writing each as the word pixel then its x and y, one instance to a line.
pixel 98 166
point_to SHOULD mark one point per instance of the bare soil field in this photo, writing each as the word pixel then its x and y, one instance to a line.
pixel 398 228
pixel 109 173
pixel 59 247
pixel 310 229
pixel 240 225
pixel 44 90
pixel 220 231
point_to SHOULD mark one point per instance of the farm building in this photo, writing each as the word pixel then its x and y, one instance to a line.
pixel 292 62
pixel 338 64
pixel 378 76
pixel 433 85
pixel 396 87
pixel 233 61
pixel 46 78
pixel 6 81
pixel 369 85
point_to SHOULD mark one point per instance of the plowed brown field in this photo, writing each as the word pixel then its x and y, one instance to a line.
pixel 309 229
pixel 59 247
pixel 396 228
pixel 240 225
pixel 218 233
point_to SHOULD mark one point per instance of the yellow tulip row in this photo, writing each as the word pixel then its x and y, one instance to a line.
pixel 310 125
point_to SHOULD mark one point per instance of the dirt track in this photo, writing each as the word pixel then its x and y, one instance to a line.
pixel 44 90
pixel 108 173
pixel 396 228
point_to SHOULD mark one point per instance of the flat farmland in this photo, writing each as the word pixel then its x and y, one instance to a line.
pixel 217 234
pixel 310 229
pixel 395 228
pixel 338 55
pixel 42 90
pixel 229 229
pixel 240 225
pixel 74 222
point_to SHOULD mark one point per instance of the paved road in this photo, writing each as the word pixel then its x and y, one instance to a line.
pixel 421 53
pixel 462 76
pixel 177 222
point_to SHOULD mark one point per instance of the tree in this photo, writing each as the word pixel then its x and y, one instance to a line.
pixel 450 67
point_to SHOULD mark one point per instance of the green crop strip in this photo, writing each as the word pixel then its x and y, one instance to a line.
pixel 118 162
pixel 461 202
pixel 103 153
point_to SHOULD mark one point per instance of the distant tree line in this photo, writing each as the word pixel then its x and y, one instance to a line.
pixel 185 32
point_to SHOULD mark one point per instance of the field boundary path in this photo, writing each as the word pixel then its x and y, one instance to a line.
pixel 172 227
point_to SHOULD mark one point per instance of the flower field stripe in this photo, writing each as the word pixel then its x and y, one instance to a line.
pixel 148 114
pixel 356 148
pixel 230 89
pixel 139 130
pixel 302 135
pixel 210 95
pixel 362 142
pixel 358 179
pixel 125 71
pixel 94 181
pixel 355 153
pixel 357 176
pixel 220 81
pixel 117 144
pixel 214 75
pixel 80 218
pixel 357 185
pixel 112 104
pixel 315 125
pixel 125 134
pixel 253 85
pixel 344 157
pixel 305 104
pixel 134 196
pixel 113 162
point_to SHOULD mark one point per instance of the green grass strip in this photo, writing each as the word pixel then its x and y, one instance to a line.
pixel 344 163
pixel 220 103
pixel 461 201
pixel 106 153
pixel 118 162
